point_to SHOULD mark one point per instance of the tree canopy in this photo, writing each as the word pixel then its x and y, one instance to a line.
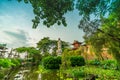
pixel 107 36
pixel 53 11
pixel 50 12
pixel 30 50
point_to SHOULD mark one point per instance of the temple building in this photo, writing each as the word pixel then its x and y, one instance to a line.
pixel 76 44
pixel 88 53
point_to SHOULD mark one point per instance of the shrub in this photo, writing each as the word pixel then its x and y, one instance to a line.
pixel 78 73
pixel 77 61
pixel 1 76
pixel 109 64
pixel 51 62
pixel 6 63
pixel 95 62
pixel 16 62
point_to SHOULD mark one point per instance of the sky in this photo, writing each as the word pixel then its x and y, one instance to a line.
pixel 16 26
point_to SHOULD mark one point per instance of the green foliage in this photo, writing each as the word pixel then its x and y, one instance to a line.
pixel 1 75
pixel 46 44
pixel 30 50
pixel 50 12
pixel 91 6
pixel 77 61
pixel 95 62
pixel 51 62
pixel 103 74
pixel 16 62
pixel 65 60
pixel 32 53
pixel 78 73
pixel 6 63
pixel 105 39
pixel 105 64
pixel 21 49
pixel 109 64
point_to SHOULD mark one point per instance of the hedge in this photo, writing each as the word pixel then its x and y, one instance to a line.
pixel 77 61
pixel 51 62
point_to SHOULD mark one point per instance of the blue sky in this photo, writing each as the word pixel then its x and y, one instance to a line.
pixel 16 26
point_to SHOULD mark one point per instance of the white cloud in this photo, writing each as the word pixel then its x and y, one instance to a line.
pixel 15 38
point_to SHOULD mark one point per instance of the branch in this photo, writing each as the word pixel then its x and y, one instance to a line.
pixel 110 35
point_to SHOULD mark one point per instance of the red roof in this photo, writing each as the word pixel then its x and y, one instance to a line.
pixel 76 42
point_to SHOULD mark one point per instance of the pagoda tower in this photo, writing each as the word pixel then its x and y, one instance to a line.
pixel 59 49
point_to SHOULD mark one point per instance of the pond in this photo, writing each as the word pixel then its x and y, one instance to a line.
pixel 32 73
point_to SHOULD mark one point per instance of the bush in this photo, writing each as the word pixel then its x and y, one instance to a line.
pixel 6 63
pixel 51 62
pixel 78 73
pixel 109 64
pixel 16 62
pixel 1 76
pixel 77 61
pixel 95 62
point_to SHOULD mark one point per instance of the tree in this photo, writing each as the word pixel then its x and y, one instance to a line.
pixel 22 50
pixel 108 36
pixel 45 44
pixel 31 53
pixel 50 12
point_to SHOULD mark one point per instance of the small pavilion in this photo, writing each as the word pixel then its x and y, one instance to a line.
pixel 76 44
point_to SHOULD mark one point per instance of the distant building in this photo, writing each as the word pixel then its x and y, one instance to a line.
pixel 3 50
pixel 87 51
pixel 59 49
pixel 76 44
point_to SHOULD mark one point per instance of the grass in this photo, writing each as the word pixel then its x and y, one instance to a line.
pixel 102 74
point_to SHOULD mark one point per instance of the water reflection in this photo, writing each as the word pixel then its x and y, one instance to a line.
pixel 53 75
pixel 32 74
